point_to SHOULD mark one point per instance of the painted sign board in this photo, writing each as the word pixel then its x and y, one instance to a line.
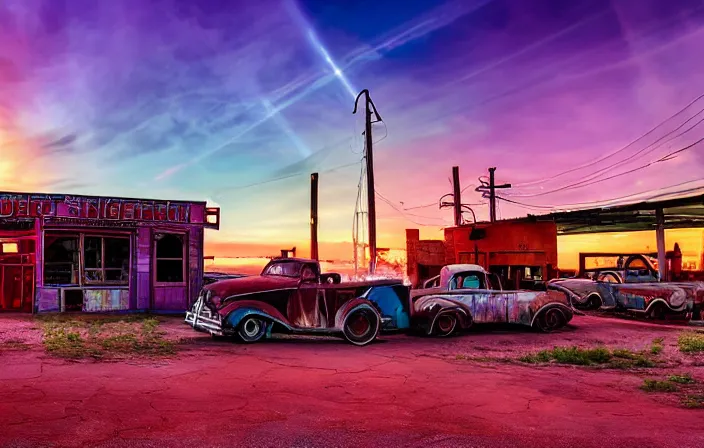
pixel 17 206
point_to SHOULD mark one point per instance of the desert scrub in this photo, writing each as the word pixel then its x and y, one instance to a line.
pixel 617 358
pixel 650 385
pixel 105 338
pixel 656 347
pixel 693 401
pixel 684 378
pixel 691 342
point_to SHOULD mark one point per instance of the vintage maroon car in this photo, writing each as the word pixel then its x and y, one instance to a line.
pixel 292 296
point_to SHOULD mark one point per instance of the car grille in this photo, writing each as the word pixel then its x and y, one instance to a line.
pixel 203 318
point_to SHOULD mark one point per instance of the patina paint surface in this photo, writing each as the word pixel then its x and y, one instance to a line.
pixel 485 306
pixel 680 297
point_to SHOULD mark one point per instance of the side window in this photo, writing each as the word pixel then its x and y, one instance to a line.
pixel 308 272
pixel 170 258
pixel 471 282
pixel 61 255
pixel 467 280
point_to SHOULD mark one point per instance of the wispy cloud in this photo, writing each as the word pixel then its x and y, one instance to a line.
pixel 240 101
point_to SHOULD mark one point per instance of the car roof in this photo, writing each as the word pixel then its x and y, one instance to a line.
pixel 455 268
pixel 289 259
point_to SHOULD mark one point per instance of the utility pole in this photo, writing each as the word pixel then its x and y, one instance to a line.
pixel 369 155
pixel 491 189
pixel 314 216
pixel 456 193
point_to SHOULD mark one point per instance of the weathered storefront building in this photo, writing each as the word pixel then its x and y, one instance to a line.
pixel 88 253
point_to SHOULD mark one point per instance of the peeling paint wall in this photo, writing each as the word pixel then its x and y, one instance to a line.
pixel 106 299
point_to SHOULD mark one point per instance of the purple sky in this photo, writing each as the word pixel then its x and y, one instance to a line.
pixel 187 99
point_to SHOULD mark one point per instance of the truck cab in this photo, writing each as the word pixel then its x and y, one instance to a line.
pixel 461 276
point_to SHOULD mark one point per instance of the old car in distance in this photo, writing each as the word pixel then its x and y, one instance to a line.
pixel 653 300
pixel 633 268
pixel 464 294
pixel 292 296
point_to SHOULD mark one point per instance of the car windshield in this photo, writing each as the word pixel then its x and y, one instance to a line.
pixel 284 269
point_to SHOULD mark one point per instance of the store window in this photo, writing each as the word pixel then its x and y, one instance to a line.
pixel 61 254
pixel 170 258
pixel 106 260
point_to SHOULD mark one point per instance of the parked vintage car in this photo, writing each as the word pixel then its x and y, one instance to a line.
pixel 292 296
pixel 464 294
pixel 628 269
pixel 653 300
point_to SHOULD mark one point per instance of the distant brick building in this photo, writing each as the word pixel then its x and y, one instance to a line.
pixel 522 251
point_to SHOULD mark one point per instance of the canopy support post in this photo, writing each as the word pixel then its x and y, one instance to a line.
pixel 660 238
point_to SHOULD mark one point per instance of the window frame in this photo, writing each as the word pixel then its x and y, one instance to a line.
pixel 61 234
pixel 184 257
pixel 103 269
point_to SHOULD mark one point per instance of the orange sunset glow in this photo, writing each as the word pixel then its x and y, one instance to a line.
pixel 20 167
pixel 247 258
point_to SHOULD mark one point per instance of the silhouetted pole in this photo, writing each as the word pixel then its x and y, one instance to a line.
pixel 660 241
pixel 456 194
pixel 492 194
pixel 314 216
pixel 369 155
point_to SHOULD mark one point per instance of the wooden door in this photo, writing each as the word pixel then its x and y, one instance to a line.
pixel 169 271
pixel 17 275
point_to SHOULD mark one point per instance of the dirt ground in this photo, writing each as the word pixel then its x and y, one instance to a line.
pixel 402 391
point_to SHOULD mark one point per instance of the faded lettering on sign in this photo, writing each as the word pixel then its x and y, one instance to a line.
pixel 92 208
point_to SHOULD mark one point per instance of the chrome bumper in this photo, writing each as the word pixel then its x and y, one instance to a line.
pixel 202 319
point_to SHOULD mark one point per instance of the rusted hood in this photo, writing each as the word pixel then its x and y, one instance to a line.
pixel 248 285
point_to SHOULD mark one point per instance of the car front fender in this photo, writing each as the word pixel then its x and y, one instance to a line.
pixel 233 313
pixel 569 312
pixel 427 309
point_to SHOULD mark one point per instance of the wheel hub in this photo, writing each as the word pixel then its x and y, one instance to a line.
pixel 251 327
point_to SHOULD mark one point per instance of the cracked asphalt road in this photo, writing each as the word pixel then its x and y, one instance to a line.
pixel 401 392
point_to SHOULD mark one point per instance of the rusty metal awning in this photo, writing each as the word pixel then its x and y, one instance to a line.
pixel 679 213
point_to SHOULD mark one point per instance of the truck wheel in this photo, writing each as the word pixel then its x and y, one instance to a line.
pixel 445 325
pixel 593 302
pixel 361 326
pixel 251 329
pixel 657 312
pixel 550 320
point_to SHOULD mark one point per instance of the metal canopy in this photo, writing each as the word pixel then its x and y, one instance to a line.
pixel 685 212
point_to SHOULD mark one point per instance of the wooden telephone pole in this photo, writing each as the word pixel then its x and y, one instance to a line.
pixel 369 156
pixel 491 189
pixel 314 216
pixel 456 193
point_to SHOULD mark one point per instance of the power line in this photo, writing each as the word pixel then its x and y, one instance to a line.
pixel 643 151
pixel 609 202
pixel 583 184
pixel 391 204
pixel 608 156
pixel 405 215
pixel 431 204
